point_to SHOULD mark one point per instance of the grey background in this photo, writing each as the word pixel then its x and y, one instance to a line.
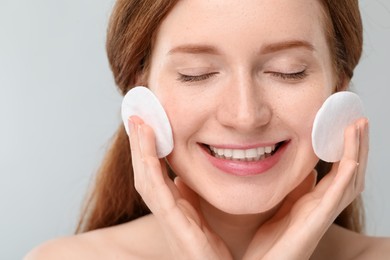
pixel 59 107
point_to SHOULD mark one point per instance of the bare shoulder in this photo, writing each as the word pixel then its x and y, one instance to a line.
pixel 138 239
pixel 73 247
pixel 341 243
pixel 364 247
pixel 377 248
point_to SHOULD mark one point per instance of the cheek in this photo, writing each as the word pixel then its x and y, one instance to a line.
pixel 188 108
pixel 299 112
pixel 185 117
pixel 185 121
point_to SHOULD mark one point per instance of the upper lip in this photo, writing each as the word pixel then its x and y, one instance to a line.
pixel 244 146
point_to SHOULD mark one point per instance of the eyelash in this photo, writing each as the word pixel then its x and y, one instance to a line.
pixel 284 76
pixel 289 76
pixel 195 78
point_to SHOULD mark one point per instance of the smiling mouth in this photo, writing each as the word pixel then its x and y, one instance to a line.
pixel 246 155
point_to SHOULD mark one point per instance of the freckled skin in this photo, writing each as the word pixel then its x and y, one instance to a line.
pixel 242 101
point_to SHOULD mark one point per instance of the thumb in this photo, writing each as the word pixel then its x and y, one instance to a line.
pixel 306 186
pixel 186 192
pixel 189 201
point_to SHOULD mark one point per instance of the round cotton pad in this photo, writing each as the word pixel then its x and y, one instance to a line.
pixel 140 101
pixel 338 111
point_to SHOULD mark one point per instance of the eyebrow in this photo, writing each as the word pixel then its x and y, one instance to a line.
pixel 195 49
pixel 280 46
pixel 270 48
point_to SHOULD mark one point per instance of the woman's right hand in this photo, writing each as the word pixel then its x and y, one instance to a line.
pixel 174 205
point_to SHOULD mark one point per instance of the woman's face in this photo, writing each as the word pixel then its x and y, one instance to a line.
pixel 241 82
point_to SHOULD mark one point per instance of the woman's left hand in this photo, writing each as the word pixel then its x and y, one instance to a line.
pixel 308 211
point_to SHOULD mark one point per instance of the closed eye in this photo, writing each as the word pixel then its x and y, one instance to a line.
pixel 195 78
pixel 289 76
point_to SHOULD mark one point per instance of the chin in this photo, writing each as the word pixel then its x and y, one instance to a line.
pixel 244 211
pixel 240 206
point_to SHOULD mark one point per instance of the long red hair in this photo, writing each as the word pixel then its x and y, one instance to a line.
pixel 113 199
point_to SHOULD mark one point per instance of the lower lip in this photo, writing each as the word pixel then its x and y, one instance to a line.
pixel 246 168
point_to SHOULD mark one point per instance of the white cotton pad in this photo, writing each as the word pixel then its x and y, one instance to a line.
pixel 140 101
pixel 338 111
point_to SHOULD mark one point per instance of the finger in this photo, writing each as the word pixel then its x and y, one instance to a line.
pixel 163 194
pixel 363 154
pixel 351 143
pixel 147 168
pixel 155 183
pixel 338 186
pixel 155 191
pixel 168 180
pixel 149 152
pixel 345 169
pixel 135 149
pixel 356 153
pixel 326 181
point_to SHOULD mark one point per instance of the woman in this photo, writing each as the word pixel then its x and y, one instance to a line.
pixel 241 82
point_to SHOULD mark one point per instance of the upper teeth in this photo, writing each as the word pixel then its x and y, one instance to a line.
pixel 240 154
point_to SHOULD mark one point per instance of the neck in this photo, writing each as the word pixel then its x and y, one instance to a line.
pixel 237 231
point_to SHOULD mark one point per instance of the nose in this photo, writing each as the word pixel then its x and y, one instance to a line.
pixel 244 105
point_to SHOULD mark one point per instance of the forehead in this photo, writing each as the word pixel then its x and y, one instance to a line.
pixel 234 24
